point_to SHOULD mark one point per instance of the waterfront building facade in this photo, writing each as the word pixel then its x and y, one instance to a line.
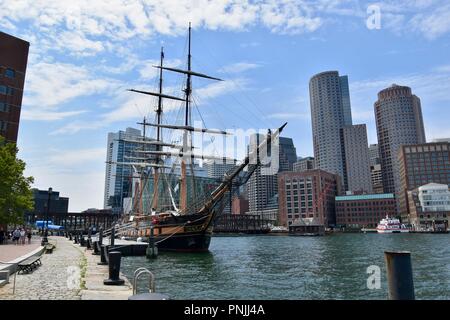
pixel 365 210
pixel 421 164
pixel 13 65
pixel 57 204
pixel 239 205
pixel 429 207
pixel 357 160
pixel 399 121
pixel 308 195
pixel 303 164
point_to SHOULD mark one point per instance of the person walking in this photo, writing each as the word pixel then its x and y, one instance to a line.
pixel 16 236
pixel 22 236
pixel 29 236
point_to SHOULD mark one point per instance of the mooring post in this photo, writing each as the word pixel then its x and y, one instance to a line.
pixel 152 249
pixel 70 236
pixel 95 246
pixel 75 239
pixel 89 240
pixel 114 270
pixel 103 253
pixel 113 235
pixel 100 236
pixel 399 274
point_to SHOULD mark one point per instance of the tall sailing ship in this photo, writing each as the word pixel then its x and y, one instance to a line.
pixel 187 224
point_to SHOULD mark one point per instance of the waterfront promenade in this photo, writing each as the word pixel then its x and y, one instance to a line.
pixel 69 273
pixel 10 252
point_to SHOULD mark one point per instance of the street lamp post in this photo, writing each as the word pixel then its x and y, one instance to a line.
pixel 45 239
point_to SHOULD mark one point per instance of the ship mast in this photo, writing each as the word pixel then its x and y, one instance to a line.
pixel 187 91
pixel 158 136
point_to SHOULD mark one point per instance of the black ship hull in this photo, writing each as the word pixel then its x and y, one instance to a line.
pixel 192 242
pixel 187 233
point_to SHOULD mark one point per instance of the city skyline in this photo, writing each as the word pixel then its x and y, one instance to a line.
pixel 76 78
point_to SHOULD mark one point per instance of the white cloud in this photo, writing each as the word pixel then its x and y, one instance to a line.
pixel 68 158
pixel 51 84
pixel 42 115
pixel 289 116
pixel 239 67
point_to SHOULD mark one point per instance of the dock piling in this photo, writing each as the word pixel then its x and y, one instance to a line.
pixel 152 249
pixel 399 274
pixel 103 253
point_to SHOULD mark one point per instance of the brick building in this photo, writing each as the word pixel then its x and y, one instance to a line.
pixel 365 210
pixel 13 65
pixel 308 195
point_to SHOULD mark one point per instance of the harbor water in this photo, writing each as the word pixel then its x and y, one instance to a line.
pixel 286 267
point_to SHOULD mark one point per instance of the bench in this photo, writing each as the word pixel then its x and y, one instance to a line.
pixel 49 248
pixel 29 264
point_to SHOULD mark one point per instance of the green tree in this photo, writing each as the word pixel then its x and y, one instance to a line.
pixel 16 196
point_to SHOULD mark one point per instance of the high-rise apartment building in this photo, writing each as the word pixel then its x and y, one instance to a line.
pixel 13 65
pixel 377 178
pixel 262 185
pixel 332 128
pixel 330 112
pixel 122 149
pixel 356 156
pixel 399 122
pixel 374 155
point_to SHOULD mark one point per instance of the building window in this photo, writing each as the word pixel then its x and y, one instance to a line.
pixel 4 107
pixel 2 89
pixel 3 126
pixel 10 73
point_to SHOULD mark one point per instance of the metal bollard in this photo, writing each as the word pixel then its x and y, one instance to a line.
pixel 399 274
pixel 88 244
pixel 113 235
pixel 100 236
pixel 114 270
pixel 95 246
pixel 75 239
pixel 103 253
pixel 70 236
pixel 82 241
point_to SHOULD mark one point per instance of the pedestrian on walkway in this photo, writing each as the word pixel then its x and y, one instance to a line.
pixel 16 236
pixel 22 236
pixel 29 236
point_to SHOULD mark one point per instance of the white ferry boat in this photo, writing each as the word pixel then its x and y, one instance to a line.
pixel 391 225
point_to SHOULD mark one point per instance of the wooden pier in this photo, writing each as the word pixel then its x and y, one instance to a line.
pixel 241 223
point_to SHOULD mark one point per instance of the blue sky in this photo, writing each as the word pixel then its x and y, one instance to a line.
pixel 84 55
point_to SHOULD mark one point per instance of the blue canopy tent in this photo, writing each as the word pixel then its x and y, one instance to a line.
pixel 51 226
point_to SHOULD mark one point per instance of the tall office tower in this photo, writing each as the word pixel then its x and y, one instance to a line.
pixel 398 116
pixel 13 65
pixel 262 185
pixel 374 155
pixel 122 147
pixel 330 112
pixel 357 160
pixel 303 164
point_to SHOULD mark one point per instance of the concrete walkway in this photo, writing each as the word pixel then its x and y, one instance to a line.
pixel 71 272
pixel 10 252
